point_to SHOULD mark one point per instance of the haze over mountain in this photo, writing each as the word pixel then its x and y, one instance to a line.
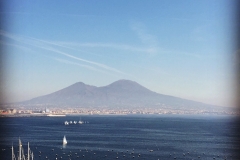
pixel 120 94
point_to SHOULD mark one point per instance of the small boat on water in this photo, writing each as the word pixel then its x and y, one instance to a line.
pixel 64 140
pixel 66 123
pixel 80 122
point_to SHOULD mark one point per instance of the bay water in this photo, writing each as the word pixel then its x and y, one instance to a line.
pixel 149 137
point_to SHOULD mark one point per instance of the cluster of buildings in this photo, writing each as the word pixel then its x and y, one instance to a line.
pixel 21 111
pixel 104 111
pixel 8 111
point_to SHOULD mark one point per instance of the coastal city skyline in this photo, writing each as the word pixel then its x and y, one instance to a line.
pixel 178 48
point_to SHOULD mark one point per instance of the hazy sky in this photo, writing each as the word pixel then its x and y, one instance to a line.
pixel 182 48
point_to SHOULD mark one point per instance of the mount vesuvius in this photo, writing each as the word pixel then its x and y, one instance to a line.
pixel 120 94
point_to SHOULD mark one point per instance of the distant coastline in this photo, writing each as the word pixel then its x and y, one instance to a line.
pixel 33 115
pixel 106 114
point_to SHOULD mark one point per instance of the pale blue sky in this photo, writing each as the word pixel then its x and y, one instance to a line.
pixel 182 48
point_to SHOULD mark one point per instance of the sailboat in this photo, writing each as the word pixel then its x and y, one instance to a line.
pixel 21 155
pixel 80 121
pixel 64 140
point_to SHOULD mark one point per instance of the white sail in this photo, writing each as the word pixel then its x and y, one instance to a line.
pixel 64 140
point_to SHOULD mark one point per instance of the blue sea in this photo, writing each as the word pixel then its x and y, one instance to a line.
pixel 149 137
